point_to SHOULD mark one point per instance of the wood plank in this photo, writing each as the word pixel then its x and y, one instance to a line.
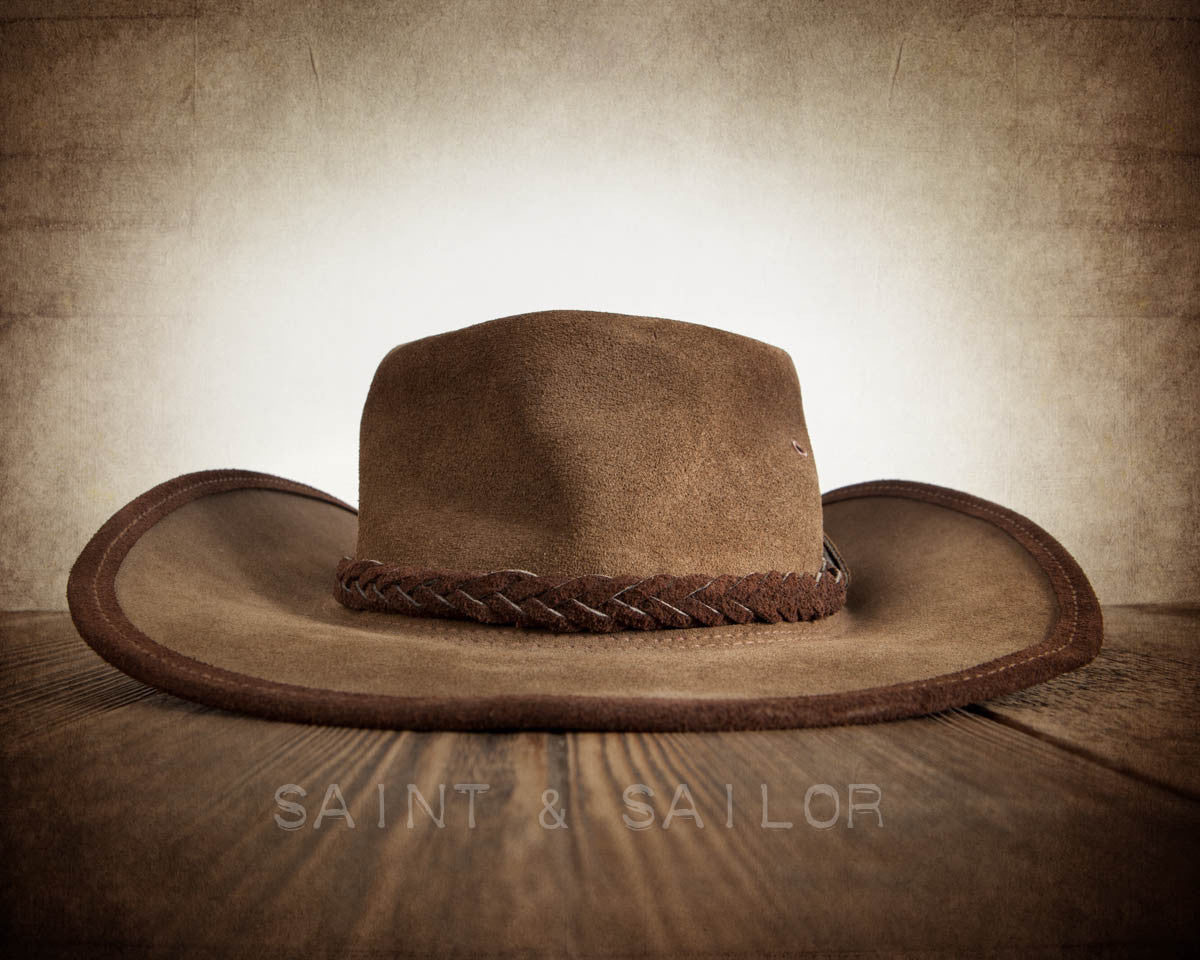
pixel 141 824
pixel 1135 706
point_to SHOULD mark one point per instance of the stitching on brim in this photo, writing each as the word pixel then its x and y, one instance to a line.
pixel 925 493
pixel 602 642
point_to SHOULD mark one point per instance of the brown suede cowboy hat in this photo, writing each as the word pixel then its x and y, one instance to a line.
pixel 581 521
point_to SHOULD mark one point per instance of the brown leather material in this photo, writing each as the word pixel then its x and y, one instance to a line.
pixel 587 443
pixel 247 623
pixel 596 604
pixel 624 454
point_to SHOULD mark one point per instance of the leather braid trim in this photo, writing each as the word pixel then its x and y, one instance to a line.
pixel 595 603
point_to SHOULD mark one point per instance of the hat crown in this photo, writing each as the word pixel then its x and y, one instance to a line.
pixel 582 443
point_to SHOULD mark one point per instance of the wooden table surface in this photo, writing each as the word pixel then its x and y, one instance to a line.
pixel 1062 821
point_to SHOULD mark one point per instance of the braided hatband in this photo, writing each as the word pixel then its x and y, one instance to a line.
pixel 595 603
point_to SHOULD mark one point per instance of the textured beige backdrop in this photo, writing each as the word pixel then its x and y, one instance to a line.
pixel 974 226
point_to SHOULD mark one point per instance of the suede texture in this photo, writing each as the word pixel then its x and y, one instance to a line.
pixel 570 443
pixel 535 461
pixel 215 587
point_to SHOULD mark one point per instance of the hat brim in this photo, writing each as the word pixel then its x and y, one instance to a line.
pixel 217 587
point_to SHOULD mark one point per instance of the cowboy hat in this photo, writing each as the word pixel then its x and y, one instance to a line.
pixel 581 520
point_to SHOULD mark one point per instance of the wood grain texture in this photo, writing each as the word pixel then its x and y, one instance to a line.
pixel 140 824
pixel 1135 706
